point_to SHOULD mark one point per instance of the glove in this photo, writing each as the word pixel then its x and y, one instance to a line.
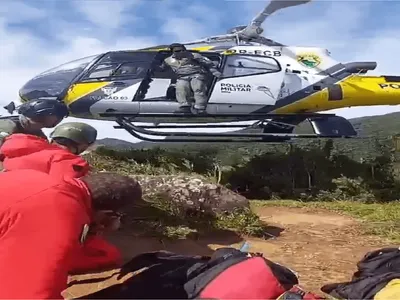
pixel 217 74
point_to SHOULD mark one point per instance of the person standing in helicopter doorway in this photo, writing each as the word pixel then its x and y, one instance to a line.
pixel 194 73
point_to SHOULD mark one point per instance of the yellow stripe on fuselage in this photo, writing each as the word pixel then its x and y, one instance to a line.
pixel 204 48
pixel 79 90
pixel 357 91
pixel 367 90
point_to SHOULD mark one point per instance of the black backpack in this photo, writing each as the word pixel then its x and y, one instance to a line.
pixel 378 262
pixel 228 273
pixel 163 277
pixel 375 271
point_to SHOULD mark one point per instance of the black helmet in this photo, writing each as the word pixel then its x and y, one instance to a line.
pixel 43 108
pixel 176 45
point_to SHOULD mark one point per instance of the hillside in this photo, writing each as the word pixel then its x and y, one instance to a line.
pixel 197 199
pixel 371 128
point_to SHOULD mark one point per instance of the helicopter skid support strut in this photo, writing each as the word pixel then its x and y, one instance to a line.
pixel 141 133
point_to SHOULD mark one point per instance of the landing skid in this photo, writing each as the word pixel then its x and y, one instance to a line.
pixel 147 133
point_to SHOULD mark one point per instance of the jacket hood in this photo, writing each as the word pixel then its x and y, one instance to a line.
pixel 18 144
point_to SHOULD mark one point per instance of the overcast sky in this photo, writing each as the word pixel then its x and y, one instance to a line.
pixel 38 35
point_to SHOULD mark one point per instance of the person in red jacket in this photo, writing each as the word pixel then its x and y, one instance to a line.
pixel 58 158
pixel 44 221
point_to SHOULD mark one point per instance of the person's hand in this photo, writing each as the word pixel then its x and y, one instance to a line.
pixel 3 136
pixel 217 74
pixel 105 221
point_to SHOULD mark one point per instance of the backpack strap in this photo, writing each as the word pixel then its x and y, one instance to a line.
pixel 149 259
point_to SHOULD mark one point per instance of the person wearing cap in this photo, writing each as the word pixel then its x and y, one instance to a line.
pixel 58 158
pixel 194 74
pixel 33 117
pixel 44 223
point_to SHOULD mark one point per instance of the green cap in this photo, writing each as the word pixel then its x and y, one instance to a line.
pixel 80 133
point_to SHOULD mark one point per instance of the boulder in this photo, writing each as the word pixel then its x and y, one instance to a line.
pixel 192 193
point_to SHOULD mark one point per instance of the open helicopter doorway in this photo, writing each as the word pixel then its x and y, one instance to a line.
pixel 158 93
pixel 248 83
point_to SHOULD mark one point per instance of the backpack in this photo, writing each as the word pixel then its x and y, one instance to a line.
pixel 375 271
pixel 157 275
pixel 378 262
pixel 232 274
pixel 227 274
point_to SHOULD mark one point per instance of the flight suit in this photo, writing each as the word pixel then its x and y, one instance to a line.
pixel 194 73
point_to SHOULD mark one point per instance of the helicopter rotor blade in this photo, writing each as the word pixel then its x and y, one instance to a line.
pixel 274 6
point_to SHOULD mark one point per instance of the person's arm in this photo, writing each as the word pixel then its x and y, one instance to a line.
pixel 39 239
pixel 96 253
pixel 72 166
pixel 208 63
pixel 163 66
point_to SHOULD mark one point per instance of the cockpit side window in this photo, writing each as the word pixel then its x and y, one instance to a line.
pixel 103 70
pixel 127 64
pixel 131 69
pixel 243 65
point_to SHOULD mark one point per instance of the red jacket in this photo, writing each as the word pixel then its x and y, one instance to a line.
pixel 42 220
pixel 96 254
pixel 24 151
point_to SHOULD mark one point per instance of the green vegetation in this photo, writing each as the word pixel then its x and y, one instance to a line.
pixel 165 219
pixel 351 176
pixel 382 219
pixel 317 172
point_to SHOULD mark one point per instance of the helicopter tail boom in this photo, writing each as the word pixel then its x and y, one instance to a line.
pixel 366 91
pixel 355 90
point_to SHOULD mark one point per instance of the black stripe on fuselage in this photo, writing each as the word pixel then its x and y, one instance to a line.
pixel 331 79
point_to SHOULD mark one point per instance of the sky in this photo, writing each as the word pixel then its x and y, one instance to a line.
pixel 38 35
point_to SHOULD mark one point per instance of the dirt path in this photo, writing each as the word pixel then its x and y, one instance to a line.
pixel 322 247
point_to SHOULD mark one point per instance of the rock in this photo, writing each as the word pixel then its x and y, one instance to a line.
pixel 193 193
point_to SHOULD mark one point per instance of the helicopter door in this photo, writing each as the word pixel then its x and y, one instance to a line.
pixel 249 79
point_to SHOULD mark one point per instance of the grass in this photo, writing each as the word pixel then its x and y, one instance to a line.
pixel 379 219
pixel 165 219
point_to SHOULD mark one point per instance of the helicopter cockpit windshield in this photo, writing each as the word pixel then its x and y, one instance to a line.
pixel 55 81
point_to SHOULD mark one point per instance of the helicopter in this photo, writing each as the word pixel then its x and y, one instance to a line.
pixel 266 89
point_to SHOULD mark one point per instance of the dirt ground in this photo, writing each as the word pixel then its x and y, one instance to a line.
pixel 320 246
